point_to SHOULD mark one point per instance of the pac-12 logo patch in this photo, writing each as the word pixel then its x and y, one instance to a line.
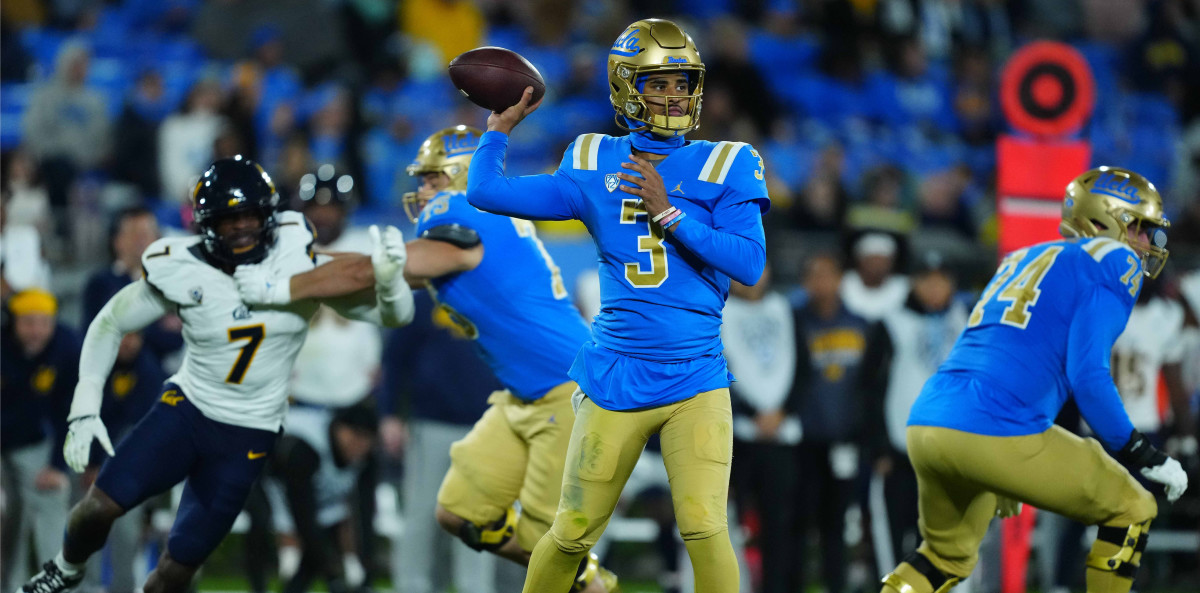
pixel 241 312
pixel 611 181
pixel 197 294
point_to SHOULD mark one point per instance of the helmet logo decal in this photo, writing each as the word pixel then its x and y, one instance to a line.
pixel 626 44
pixel 673 60
pixel 455 145
pixel 1117 187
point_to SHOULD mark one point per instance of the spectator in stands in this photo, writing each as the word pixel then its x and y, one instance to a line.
pixel 822 204
pixel 907 346
pixel 731 69
pixel 434 378
pixel 873 289
pixel 887 201
pixel 759 334
pixel 67 127
pixel 185 140
pixel 27 203
pixel 830 344
pixel 135 154
pixel 1165 58
pixel 331 129
pixel 944 198
pixel 130 233
pixel 450 26
pixel 22 264
pixel 39 364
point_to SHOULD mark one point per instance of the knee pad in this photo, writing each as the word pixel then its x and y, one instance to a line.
pixel 490 537
pixel 1130 540
pixel 939 581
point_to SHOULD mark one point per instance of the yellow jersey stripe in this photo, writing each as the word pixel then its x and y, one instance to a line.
pixel 586 152
pixel 1102 246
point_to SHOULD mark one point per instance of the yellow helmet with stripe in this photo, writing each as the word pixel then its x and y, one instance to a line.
pixel 647 47
pixel 446 151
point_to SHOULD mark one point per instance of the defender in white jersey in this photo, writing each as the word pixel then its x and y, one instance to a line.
pixel 219 416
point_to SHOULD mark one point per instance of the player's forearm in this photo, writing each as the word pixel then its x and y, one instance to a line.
pixel 345 274
pixel 739 257
pixel 429 259
pixel 532 197
pixel 131 309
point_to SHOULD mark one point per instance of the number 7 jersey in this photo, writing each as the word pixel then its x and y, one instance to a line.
pixel 1043 330
pixel 237 360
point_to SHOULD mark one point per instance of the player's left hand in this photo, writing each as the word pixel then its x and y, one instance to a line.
pixel 1171 475
pixel 649 186
pixel 1007 507
pixel 77 449
pixel 389 255
pixel 258 285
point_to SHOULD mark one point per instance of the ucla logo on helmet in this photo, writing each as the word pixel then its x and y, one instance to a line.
pixel 674 60
pixel 455 144
pixel 627 43
pixel 1117 187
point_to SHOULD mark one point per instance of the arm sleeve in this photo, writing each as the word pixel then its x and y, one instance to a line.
pixel 532 197
pixel 736 246
pixel 134 307
pixel 1093 331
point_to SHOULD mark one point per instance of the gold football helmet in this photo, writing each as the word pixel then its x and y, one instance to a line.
pixel 447 151
pixel 1109 202
pixel 646 47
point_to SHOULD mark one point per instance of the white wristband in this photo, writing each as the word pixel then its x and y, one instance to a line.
pixel 663 214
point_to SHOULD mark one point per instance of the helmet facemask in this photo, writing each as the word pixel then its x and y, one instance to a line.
pixel 219 247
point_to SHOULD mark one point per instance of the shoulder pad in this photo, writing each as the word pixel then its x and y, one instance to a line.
pixel 166 249
pixel 454 234
pixel 295 234
pixel 720 159
pixel 168 260
pixel 1100 247
pixel 1119 264
pixel 585 151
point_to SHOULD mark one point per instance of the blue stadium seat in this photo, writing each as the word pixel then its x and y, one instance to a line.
pixel 777 56
pixel 14 98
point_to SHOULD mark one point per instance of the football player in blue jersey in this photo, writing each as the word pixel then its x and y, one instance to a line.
pixel 494 279
pixel 673 220
pixel 981 435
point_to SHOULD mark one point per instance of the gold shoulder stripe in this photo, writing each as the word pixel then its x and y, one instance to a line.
pixel 166 251
pixel 719 161
pixel 586 152
pixel 1101 246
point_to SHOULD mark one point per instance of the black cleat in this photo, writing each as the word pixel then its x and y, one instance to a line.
pixel 52 580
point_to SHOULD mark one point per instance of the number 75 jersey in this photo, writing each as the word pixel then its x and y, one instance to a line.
pixel 1042 330
pixel 238 360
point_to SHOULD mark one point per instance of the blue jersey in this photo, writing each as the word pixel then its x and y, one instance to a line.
pixel 513 304
pixel 657 337
pixel 1043 330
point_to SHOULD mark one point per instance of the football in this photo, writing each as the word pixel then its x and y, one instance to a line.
pixel 494 78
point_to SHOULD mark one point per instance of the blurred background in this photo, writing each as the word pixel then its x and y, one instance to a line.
pixel 878 122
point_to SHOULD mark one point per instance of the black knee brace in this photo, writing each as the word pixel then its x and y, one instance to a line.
pixel 1131 539
pixel 489 537
pixel 940 581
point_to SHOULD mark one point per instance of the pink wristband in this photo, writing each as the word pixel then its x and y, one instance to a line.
pixel 678 216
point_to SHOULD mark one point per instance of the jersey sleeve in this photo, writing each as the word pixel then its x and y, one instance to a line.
pixel 444 210
pixel 1100 317
pixel 532 197
pixel 746 179
pixel 294 241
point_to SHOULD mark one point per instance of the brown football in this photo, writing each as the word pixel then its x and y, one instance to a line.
pixel 494 78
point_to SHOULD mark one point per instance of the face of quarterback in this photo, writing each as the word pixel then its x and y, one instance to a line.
pixel 240 230
pixel 431 183
pixel 658 86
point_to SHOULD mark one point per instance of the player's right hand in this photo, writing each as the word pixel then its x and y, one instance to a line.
pixel 257 285
pixel 77 450
pixel 508 119
pixel 1171 475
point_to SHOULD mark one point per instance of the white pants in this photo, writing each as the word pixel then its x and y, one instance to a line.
pixel 40 514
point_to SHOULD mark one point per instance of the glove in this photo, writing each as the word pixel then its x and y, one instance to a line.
pixel 1171 475
pixel 1007 507
pixel 257 285
pixel 388 257
pixel 77 450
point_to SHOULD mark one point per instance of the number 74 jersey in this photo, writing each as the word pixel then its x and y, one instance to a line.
pixel 1042 330
pixel 238 360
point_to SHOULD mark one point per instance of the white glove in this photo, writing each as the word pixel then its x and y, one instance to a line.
pixel 1171 475
pixel 258 285
pixel 78 448
pixel 1007 507
pixel 388 257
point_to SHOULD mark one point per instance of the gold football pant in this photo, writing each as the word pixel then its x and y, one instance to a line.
pixel 697 444
pixel 959 475
pixel 514 452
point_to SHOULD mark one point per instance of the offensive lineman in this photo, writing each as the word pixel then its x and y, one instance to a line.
pixel 673 220
pixel 980 435
pixel 217 420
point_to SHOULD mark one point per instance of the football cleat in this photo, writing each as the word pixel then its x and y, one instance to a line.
pixel 52 580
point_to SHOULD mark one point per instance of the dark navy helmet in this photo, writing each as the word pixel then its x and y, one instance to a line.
pixel 229 187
